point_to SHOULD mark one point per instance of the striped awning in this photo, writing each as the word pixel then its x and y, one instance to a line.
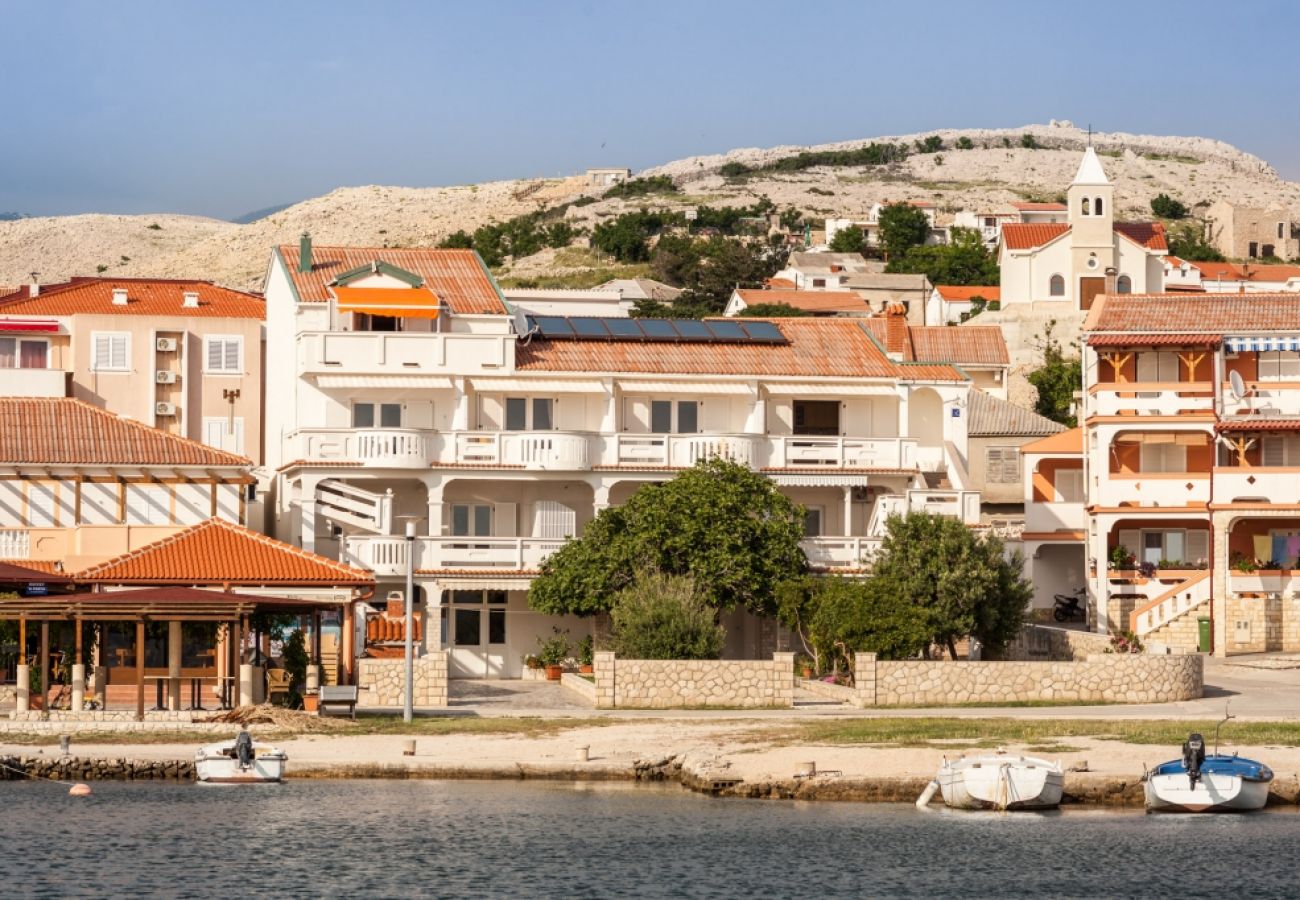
pixel 407 302
pixel 1262 344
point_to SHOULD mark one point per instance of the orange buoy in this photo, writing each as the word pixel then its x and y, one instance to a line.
pixel 79 790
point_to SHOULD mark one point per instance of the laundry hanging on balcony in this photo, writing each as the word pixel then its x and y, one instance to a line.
pixel 404 302
pixel 1262 344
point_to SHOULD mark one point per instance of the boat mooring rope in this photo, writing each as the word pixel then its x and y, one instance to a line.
pixel 77 788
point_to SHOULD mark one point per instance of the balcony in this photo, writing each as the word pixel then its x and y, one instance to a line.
pixel 1264 581
pixel 1257 484
pixel 685 450
pixel 402 353
pixel 1152 398
pixel 1267 399
pixel 839 552
pixel 1154 489
pixel 842 452
pixel 34 382
pixel 1050 517
pixel 391 448
pixel 568 451
pixel 386 555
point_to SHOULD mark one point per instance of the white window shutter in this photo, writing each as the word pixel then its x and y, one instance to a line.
pixel 636 415
pixel 214 431
pixel 1198 545
pixel 1273 451
pixel 553 521
pixel 1148 367
pixel 232 355
pixel 237 445
pixel 119 351
pixel 505 515
pixel 40 504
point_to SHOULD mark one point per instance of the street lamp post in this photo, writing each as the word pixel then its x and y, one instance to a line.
pixel 408 706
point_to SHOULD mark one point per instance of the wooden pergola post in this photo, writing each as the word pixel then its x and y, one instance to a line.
pixel 76 659
pixel 174 651
pixel 236 641
pixel 345 674
pixel 315 637
pixel 139 670
pixel 45 662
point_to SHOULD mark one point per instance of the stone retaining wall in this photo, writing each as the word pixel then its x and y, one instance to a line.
pixel 1102 678
pixel 1044 642
pixel 382 682
pixel 673 684
pixel 580 686
pixel 72 768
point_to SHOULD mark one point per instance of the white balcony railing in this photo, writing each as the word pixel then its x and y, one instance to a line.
pixel 386 555
pixel 1049 517
pixel 33 382
pixel 839 552
pixel 559 450
pixel 1154 489
pixel 1151 398
pixel 802 450
pixel 402 353
pixel 1264 398
pixel 15 543
pixel 1266 484
pixel 685 450
pixel 1264 581
pixel 398 448
pixel 961 505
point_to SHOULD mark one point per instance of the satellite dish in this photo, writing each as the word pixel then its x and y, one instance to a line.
pixel 1238 385
pixel 521 323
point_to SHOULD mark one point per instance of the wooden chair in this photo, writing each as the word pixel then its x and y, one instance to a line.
pixel 277 684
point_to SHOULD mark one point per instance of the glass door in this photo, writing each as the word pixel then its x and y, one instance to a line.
pixel 477 634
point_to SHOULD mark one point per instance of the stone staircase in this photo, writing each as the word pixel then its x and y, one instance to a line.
pixel 1171 611
pixel 351 505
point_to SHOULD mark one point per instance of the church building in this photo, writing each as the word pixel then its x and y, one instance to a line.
pixel 1089 254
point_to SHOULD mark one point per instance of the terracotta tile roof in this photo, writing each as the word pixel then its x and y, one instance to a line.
pixel 780 283
pixel 1254 423
pixel 960 344
pixel 218 552
pixel 1175 261
pixel 457 277
pixel 989 416
pixel 65 431
pixel 1040 207
pixel 808 301
pixel 1134 339
pixel 1027 236
pixel 144 297
pixel 28 570
pixel 1214 271
pixel 1065 442
pixel 480 573
pixel 817 348
pixel 1214 314
pixel 1150 235
pixel 965 293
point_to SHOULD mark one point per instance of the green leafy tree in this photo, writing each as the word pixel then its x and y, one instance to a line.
pixel 1167 207
pixel 457 240
pixel 902 227
pixel 1029 142
pixel 965 143
pixel 708 270
pixel 836 617
pixel 643 187
pixel 963 585
pixel 773 311
pixel 1187 241
pixel 719 522
pixel 848 240
pixel 1056 380
pixel 661 616
pixel 733 169
pixel 931 144
pixel 963 260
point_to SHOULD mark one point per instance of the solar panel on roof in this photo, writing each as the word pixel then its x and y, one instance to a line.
pixel 589 327
pixel 658 329
pixel 765 332
pixel 625 328
pixel 692 329
pixel 727 331
pixel 554 326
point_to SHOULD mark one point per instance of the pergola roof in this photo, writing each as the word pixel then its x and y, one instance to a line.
pixel 12 574
pixel 156 604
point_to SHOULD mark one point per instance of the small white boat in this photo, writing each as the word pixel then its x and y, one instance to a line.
pixel 1217 782
pixel 1000 781
pixel 240 760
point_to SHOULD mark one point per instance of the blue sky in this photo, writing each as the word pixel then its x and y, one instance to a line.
pixel 225 107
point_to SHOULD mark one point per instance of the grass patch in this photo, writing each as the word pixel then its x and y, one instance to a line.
pixel 579 279
pixel 924 732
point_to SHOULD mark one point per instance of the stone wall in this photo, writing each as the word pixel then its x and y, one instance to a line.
pixel 674 684
pixel 1102 678
pixel 1045 643
pixel 381 682
pixel 1263 624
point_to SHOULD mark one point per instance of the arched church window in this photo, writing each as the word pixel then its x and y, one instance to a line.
pixel 1087 206
pixel 1056 287
pixel 1124 285
pixel 1096 207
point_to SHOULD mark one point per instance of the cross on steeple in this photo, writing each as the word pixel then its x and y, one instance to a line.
pixel 1089 134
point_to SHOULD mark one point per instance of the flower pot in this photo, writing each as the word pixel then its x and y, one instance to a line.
pixel 553 673
pixel 807 672
pixel 586 669
pixel 311 703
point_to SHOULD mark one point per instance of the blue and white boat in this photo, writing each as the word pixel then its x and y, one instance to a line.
pixel 1217 782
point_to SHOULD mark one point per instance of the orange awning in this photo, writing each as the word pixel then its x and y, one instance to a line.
pixel 410 303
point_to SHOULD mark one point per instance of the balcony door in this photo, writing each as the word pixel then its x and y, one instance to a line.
pixel 817 417
pixel 476 633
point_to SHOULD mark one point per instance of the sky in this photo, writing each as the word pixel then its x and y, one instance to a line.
pixel 221 108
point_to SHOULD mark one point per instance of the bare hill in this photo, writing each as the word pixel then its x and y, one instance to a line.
pixel 990 175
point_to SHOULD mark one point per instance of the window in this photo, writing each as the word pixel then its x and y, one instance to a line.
pixel 819 282
pixel 817 417
pixel 1280 450
pixel 519 409
pixel 1056 287
pixel 1158 367
pixel 1002 465
pixel 110 351
pixel 1279 365
pixel 1124 285
pixel 1268 250
pixel 471 520
pixel 1186 547
pixel 1279 230
pixel 147 505
pixel 990 222
pixel 223 354
pixel 1069 485
pixel 40 504
pixel 812 522
pixel 1087 206
pixel 224 433
pixel 1097 207
pixel 17 353
pixel 386 415
pixel 1252 250
pixel 1164 457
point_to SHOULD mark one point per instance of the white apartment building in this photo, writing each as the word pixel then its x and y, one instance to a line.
pixel 402 388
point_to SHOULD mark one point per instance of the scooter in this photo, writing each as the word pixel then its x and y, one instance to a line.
pixel 1068 606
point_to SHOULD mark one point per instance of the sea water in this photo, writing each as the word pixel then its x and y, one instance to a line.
pixel 526 839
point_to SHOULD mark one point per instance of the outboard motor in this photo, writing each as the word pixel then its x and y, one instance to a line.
pixel 244 749
pixel 1194 757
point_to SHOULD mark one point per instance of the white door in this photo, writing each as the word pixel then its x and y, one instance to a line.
pixel 476 633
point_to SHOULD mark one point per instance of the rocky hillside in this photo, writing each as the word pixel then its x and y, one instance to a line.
pixel 991 174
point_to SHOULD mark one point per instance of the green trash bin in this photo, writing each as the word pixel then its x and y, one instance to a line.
pixel 1203 631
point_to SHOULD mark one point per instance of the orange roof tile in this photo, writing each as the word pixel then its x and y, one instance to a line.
pixel 1213 271
pixel 1194 313
pixel 458 277
pixel 960 344
pixel 26 570
pixel 144 297
pixel 964 293
pixel 809 301
pixel 780 283
pixel 65 431
pixel 817 348
pixel 1040 207
pixel 1026 236
pixel 1150 235
pixel 1065 442
pixel 219 552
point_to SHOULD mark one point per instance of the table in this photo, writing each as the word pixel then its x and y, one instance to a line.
pixel 224 684
pixel 159 679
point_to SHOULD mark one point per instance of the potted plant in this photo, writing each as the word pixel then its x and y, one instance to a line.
pixel 552 653
pixel 532 662
pixel 586 655
pixel 805 666
pixel 311 701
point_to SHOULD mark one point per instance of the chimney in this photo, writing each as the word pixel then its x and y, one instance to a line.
pixel 1112 280
pixel 35 287
pixel 191 300
pixel 119 296
pixel 896 330
pixel 304 252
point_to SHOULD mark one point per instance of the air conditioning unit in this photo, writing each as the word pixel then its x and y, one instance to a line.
pixel 162 376
pixel 164 409
pixel 166 345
